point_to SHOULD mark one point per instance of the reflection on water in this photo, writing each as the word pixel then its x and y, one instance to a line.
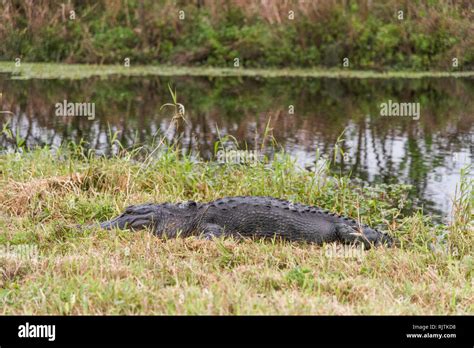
pixel 427 153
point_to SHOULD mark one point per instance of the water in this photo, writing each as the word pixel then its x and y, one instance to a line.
pixel 427 153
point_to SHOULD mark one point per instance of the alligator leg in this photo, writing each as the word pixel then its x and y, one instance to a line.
pixel 368 237
pixel 135 217
pixel 210 231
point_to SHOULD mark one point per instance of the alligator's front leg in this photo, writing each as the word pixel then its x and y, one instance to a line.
pixel 366 236
pixel 210 231
pixel 135 217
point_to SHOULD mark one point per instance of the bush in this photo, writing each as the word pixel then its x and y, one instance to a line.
pixel 260 34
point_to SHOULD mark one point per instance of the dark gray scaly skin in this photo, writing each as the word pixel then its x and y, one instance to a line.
pixel 262 217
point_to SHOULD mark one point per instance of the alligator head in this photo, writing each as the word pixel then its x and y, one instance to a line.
pixel 157 217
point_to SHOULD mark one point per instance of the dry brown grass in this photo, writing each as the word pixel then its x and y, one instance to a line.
pixel 17 196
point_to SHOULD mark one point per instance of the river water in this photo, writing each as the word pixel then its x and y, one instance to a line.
pixel 305 116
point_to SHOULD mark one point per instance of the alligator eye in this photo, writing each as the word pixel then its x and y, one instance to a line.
pixel 129 208
pixel 187 204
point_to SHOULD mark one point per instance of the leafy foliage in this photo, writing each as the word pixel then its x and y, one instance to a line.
pixel 430 35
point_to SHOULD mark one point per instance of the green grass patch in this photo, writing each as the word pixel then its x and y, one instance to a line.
pixel 28 71
pixel 44 194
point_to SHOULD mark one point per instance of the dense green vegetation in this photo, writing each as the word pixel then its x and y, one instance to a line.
pixel 210 33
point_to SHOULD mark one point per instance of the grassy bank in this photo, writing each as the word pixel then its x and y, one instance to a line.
pixel 44 193
pixel 28 71
pixel 425 35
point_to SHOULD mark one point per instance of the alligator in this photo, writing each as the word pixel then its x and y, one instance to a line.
pixel 251 216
